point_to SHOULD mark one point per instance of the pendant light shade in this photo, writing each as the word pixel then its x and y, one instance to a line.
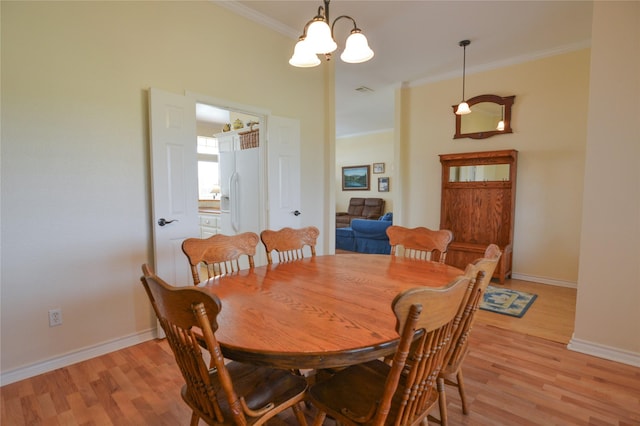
pixel 463 107
pixel 356 48
pixel 317 39
pixel 500 126
pixel 303 56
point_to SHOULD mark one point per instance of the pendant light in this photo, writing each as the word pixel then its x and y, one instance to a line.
pixel 317 39
pixel 500 127
pixel 463 107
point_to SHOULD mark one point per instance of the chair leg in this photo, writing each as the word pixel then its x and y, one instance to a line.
pixel 299 414
pixel 195 419
pixel 319 419
pixel 463 399
pixel 442 401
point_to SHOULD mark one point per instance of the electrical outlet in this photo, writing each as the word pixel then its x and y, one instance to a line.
pixel 55 317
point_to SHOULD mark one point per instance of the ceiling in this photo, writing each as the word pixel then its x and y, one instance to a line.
pixel 417 42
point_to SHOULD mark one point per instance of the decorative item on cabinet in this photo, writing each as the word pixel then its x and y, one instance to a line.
pixel 478 206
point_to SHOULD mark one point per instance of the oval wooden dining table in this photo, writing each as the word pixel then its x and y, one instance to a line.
pixel 318 312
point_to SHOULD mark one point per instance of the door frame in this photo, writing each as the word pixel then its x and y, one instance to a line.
pixel 260 258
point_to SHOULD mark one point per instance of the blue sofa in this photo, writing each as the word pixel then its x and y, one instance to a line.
pixel 365 236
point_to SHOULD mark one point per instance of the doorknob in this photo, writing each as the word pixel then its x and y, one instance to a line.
pixel 162 221
pixel 296 213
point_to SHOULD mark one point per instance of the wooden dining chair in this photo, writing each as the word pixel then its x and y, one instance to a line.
pixel 220 394
pixel 289 243
pixel 419 243
pixel 219 254
pixel 480 273
pixel 403 392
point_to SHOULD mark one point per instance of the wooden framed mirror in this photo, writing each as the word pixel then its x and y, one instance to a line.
pixel 486 113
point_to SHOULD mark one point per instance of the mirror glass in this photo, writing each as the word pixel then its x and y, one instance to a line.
pixel 486 113
pixel 484 117
pixel 480 173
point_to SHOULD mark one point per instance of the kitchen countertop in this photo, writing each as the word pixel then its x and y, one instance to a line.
pixel 209 210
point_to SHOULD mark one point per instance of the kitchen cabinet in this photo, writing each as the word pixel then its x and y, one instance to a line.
pixel 209 224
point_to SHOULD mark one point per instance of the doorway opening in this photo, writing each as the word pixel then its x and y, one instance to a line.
pixel 228 170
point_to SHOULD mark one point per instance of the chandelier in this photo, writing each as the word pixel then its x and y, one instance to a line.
pixel 317 39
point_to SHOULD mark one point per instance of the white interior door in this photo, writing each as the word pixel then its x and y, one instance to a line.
pixel 284 173
pixel 174 166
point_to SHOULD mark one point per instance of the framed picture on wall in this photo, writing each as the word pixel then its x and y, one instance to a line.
pixel 378 167
pixel 383 184
pixel 355 178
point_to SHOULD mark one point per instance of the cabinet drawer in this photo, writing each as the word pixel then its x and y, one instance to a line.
pixel 209 225
pixel 209 220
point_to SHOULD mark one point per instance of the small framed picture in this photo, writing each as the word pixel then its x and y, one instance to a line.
pixel 383 184
pixel 378 167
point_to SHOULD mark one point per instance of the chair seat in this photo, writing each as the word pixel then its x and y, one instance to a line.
pixel 258 385
pixel 217 392
pixel 358 388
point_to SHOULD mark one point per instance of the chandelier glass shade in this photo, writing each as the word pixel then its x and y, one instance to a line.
pixel 303 56
pixel 356 48
pixel 317 39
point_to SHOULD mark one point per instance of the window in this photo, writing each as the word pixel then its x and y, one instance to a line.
pixel 208 176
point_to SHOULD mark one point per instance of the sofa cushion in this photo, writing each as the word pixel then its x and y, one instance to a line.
pixel 372 229
pixel 371 236
pixel 387 216
pixel 373 208
pixel 356 206
pixel 345 239
pixel 360 208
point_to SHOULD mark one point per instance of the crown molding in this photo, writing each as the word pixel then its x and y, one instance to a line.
pixel 251 14
pixel 515 60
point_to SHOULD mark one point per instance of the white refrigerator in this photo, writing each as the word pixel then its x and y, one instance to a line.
pixel 239 190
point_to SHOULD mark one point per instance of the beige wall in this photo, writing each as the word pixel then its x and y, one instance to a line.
pixel 75 186
pixel 549 122
pixel 75 167
pixel 607 314
pixel 365 150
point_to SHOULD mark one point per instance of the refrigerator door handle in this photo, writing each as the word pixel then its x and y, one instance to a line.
pixel 234 189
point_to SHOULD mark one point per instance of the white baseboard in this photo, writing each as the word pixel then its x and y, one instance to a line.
pixel 543 280
pixel 606 352
pixel 79 355
pixel 582 346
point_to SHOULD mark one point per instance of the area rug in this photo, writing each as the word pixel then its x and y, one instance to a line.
pixel 506 301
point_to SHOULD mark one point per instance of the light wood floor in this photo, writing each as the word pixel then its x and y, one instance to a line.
pixel 513 377
pixel 551 316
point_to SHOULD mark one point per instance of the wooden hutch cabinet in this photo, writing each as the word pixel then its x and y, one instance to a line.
pixel 478 206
